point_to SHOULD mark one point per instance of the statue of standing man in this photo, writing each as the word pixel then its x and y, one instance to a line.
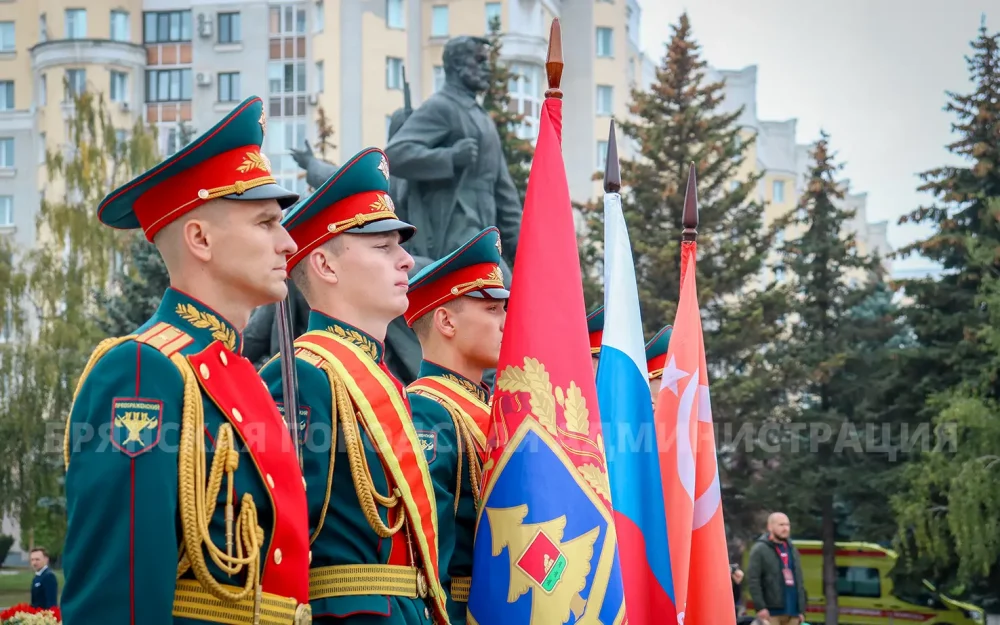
pixel 449 154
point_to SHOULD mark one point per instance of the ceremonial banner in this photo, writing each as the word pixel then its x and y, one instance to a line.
pixel 690 472
pixel 545 550
pixel 634 462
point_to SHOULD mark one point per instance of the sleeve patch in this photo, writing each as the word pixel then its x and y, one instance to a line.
pixel 428 442
pixel 305 413
pixel 135 424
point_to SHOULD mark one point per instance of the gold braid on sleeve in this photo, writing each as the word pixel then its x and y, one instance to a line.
pixel 197 500
pixel 102 348
pixel 368 497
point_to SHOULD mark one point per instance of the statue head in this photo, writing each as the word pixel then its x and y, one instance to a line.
pixel 467 60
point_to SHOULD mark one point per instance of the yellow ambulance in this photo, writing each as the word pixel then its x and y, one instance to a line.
pixel 866 594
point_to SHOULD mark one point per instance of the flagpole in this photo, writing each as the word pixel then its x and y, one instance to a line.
pixel 554 63
pixel 612 168
pixel 689 218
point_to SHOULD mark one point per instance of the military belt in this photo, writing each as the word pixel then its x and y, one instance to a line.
pixel 460 587
pixel 192 601
pixel 367 579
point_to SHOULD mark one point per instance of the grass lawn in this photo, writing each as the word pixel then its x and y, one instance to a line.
pixel 15 585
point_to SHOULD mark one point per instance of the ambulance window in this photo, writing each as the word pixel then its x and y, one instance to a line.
pixel 858 581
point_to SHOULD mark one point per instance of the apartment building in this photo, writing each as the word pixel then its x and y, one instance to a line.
pixel 182 64
pixel 785 164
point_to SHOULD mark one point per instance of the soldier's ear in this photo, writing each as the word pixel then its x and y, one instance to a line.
pixel 444 322
pixel 323 265
pixel 197 239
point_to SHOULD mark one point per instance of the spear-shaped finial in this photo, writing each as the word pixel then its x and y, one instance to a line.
pixel 689 218
pixel 554 61
pixel 612 168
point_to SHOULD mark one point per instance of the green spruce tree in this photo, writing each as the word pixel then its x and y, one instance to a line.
pixel 49 292
pixel 950 513
pixel 136 290
pixel 496 101
pixel 832 348
pixel 679 121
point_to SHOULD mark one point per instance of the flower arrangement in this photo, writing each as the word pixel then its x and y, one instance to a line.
pixel 24 614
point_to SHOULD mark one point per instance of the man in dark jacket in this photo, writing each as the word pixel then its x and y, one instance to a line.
pixel 774 575
pixel 45 586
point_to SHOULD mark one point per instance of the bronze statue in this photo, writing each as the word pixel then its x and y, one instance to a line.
pixel 448 177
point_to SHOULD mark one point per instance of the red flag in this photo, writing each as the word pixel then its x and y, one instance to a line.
pixel 545 548
pixel 690 471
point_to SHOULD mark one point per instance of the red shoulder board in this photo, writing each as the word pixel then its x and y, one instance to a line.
pixel 234 386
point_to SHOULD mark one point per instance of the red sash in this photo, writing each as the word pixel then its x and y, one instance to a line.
pixel 384 414
pixel 475 414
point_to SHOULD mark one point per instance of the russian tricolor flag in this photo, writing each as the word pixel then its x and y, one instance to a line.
pixel 630 435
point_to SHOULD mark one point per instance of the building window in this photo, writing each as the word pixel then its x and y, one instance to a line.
pixel 43 28
pixel 229 28
pixel 779 238
pixel 287 20
pixel 393 73
pixel 43 90
pixel 6 95
pixel 286 78
pixel 7 37
pixel 526 97
pixel 229 87
pixel 858 581
pixel 282 136
pixel 734 185
pixel 439 21
pixel 320 78
pixel 6 152
pixel 605 99
pixel 119 87
pixel 76 83
pixel 119 26
pixel 319 17
pixel 6 210
pixel 394 13
pixel 492 15
pixel 166 26
pixel 76 23
pixel 438 77
pixel 604 42
pixel 778 191
pixel 42 147
pixel 602 154
pixel 168 85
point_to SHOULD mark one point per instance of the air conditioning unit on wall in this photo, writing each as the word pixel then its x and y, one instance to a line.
pixel 204 79
pixel 204 26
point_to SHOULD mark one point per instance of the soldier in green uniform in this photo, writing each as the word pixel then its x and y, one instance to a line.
pixel 656 360
pixel 595 330
pixel 185 500
pixel 457 310
pixel 372 515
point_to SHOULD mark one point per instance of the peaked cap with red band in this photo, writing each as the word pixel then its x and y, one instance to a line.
pixel 656 352
pixel 472 270
pixel 355 200
pixel 595 328
pixel 224 162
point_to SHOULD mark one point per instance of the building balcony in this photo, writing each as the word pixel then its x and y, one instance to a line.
pixel 62 52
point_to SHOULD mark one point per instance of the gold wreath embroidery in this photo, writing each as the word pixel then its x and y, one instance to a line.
pixel 534 380
pixel 383 203
pixel 496 274
pixel 478 391
pixel 254 161
pixel 356 338
pixel 208 321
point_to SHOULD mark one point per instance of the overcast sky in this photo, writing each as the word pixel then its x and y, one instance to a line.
pixel 872 73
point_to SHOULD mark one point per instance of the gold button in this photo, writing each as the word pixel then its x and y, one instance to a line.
pixel 203 369
pixel 222 357
pixel 277 556
pixel 237 415
pixel 203 194
pixel 270 480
